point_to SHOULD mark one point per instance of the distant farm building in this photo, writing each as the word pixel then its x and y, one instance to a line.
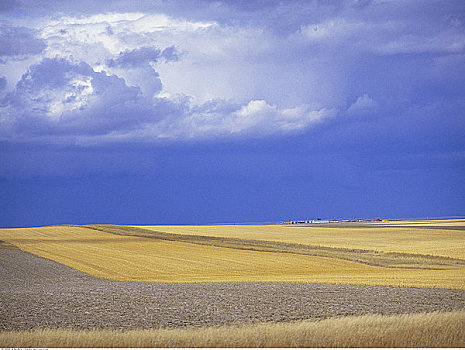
pixel 318 221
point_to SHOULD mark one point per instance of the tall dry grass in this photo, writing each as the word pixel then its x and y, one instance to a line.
pixel 418 330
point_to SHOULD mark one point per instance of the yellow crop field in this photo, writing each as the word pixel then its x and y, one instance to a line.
pixel 253 253
pixel 416 237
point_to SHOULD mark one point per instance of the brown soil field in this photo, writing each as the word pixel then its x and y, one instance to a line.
pixel 39 293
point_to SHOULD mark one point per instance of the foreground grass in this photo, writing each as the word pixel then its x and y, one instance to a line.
pixel 417 330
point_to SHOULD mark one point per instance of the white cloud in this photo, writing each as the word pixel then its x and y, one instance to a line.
pixel 217 64
pixel 76 95
pixel 116 32
pixel 363 104
pixel 99 39
pixel 257 118
pixel 74 103
pixel 259 115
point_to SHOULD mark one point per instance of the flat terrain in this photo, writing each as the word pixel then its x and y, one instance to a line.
pixel 37 292
pixel 434 237
pixel 424 254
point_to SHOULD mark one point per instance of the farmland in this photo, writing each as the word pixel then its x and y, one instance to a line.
pixel 103 278
pixel 371 255
pixel 435 237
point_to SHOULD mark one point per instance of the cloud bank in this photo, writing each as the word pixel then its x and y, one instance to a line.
pixel 156 73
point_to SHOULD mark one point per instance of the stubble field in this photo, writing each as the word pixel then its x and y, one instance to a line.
pixel 131 278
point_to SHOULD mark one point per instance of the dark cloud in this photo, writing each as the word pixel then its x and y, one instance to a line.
pixel 170 54
pixel 15 41
pixel 361 4
pixel 3 83
pixel 8 5
pixel 386 56
pixel 137 57
pixel 109 30
pixel 219 107
pixel 51 74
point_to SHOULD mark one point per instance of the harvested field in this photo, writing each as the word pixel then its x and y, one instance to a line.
pixel 37 292
pixel 364 256
pixel 442 238
pixel 253 254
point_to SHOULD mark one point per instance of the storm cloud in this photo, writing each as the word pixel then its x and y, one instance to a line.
pixel 136 57
pixel 16 41
pixel 209 111
pixel 146 74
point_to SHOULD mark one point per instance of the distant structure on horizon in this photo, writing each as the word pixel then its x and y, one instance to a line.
pixel 320 221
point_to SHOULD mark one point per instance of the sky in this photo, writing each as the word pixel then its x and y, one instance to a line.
pixel 202 112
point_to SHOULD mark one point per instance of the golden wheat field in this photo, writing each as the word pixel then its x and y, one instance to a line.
pixel 417 330
pixel 418 254
pixel 418 237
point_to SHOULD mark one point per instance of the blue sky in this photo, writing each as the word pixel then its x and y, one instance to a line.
pixel 196 112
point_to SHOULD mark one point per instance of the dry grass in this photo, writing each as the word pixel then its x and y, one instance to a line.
pixel 417 330
pixel 282 254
